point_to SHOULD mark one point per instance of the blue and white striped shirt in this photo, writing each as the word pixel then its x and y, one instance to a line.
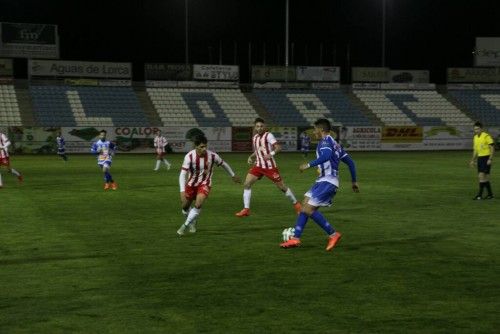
pixel 104 150
pixel 329 153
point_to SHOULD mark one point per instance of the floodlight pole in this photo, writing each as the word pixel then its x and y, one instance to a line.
pixel 383 32
pixel 186 31
pixel 287 25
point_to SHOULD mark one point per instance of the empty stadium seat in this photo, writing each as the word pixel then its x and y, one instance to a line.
pixel 202 107
pixel 86 106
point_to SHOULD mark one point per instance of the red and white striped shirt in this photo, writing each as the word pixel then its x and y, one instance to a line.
pixel 4 143
pixel 262 145
pixel 200 168
pixel 160 142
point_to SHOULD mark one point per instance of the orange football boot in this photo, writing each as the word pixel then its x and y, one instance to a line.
pixel 114 186
pixel 333 240
pixel 243 213
pixel 293 242
pixel 106 186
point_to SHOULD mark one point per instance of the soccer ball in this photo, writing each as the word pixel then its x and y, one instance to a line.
pixel 288 233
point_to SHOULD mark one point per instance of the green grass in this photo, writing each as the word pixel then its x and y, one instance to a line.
pixel 417 255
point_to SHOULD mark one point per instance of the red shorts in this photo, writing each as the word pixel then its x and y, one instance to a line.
pixel 272 174
pixel 4 161
pixel 192 192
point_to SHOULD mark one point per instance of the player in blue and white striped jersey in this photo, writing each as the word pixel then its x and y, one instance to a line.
pixel 61 146
pixel 329 154
pixel 104 149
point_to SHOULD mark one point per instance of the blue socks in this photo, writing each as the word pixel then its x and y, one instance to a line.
pixel 321 221
pixel 318 219
pixel 107 177
pixel 300 224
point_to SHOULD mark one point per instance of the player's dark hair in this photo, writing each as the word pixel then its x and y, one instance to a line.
pixel 323 124
pixel 478 124
pixel 103 131
pixel 200 139
pixel 258 120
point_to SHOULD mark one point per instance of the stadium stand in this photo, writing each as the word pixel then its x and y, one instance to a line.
pixel 483 105
pixel 202 107
pixel 9 107
pixel 86 106
pixel 412 107
pixel 299 107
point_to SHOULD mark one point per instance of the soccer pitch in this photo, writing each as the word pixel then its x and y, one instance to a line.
pixel 417 254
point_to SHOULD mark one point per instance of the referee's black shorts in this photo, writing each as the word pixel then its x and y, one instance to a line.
pixel 482 164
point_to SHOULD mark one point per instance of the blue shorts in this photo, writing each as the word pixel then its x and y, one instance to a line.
pixel 321 194
pixel 106 164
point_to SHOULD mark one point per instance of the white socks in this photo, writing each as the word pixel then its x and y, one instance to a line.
pixel 193 213
pixel 247 194
pixel 158 163
pixel 291 196
pixel 14 172
pixel 1 184
pixel 166 163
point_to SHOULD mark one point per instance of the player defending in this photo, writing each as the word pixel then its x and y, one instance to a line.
pixel 198 166
pixel 61 146
pixel 160 142
pixel 328 153
pixel 484 148
pixel 265 147
pixel 5 159
pixel 305 142
pixel 104 149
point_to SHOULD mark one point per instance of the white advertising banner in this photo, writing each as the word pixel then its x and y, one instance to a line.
pixel 216 72
pixel 370 74
pixel 447 137
pixel 318 73
pixel 473 75
pixel 487 52
pixel 6 68
pixel 86 69
pixel 140 139
pixel 286 137
pixel 360 138
pixel 407 76
pixel 28 40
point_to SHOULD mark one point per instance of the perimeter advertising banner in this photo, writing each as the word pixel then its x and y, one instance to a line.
pixel 140 139
pixel 216 72
pixel 318 73
pixel 86 69
pixel 28 40
pixel 242 139
pixel 370 74
pixel 361 138
pixel 6 69
pixel 473 75
pixel 163 71
pixel 487 52
pixel 286 137
pixel 447 137
pixel 407 76
pixel 402 138
pixel 273 73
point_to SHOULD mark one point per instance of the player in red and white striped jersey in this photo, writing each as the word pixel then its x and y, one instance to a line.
pixel 265 147
pixel 160 142
pixel 198 166
pixel 5 159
